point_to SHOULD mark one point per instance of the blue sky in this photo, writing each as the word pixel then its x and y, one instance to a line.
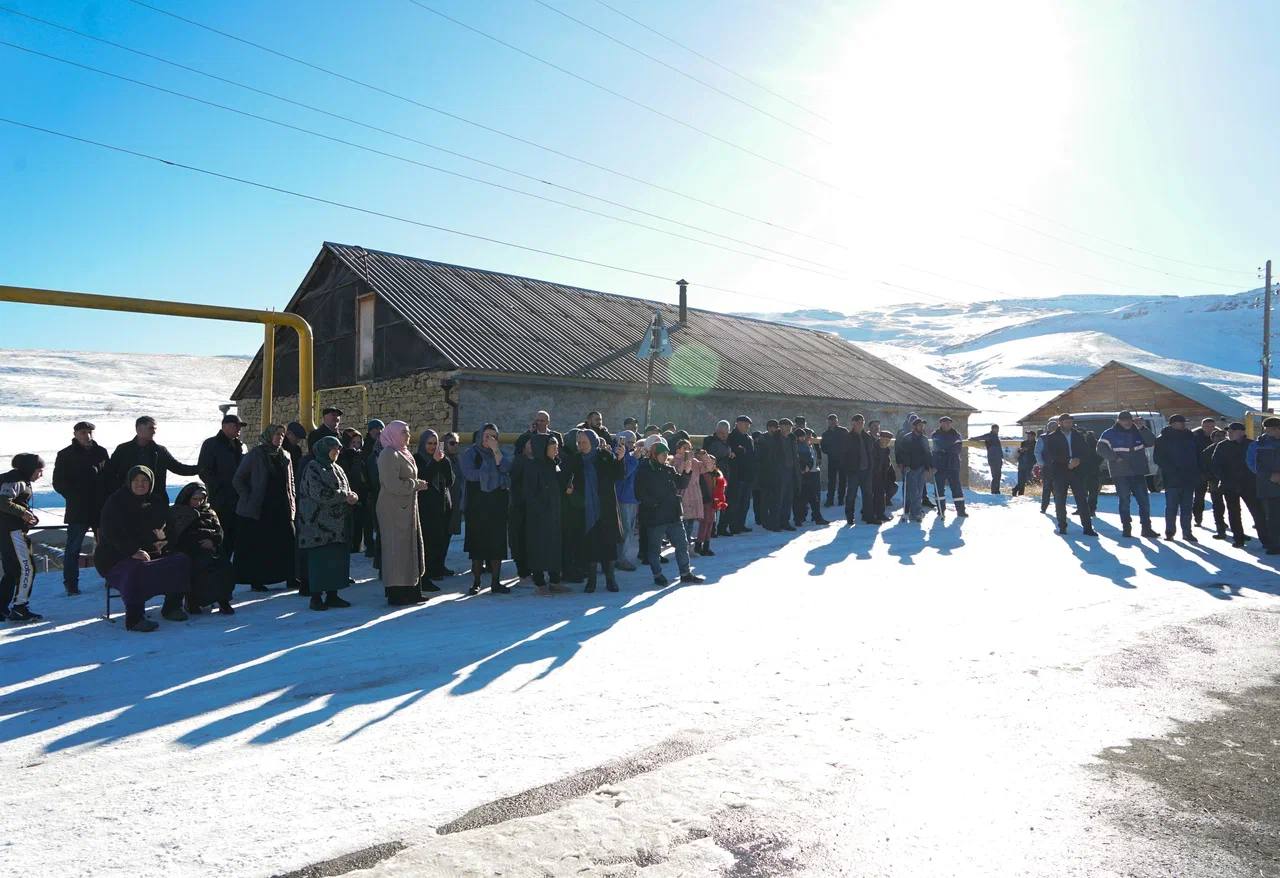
pixel 967 151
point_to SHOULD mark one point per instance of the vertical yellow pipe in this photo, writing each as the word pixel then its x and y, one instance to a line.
pixel 269 372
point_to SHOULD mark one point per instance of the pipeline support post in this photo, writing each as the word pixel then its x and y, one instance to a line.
pixel 271 319
pixel 268 371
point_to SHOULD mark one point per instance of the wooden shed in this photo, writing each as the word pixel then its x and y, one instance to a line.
pixel 1118 386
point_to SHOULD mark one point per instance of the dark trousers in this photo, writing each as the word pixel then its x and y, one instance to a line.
pixel 1178 508
pixel 227 517
pixel 1024 476
pixel 1197 501
pixel 675 533
pixel 809 497
pixel 1219 511
pixel 1135 487
pixel 516 536
pixel 944 477
pixel 1075 481
pixel 759 505
pixel 71 555
pixel 1271 512
pixel 739 497
pixel 369 525
pixel 1232 503
pixel 997 463
pixel 837 482
pixel 860 482
pixel 778 515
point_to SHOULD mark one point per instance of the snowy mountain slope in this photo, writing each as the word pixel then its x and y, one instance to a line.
pixel 1007 357
pixel 42 393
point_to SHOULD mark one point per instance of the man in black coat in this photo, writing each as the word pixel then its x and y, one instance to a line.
pixel 858 456
pixel 995 455
pixel 1204 438
pixel 143 450
pixel 219 459
pixel 330 425
pixel 1237 483
pixel 1064 450
pixel 79 475
pixel 833 440
pixel 742 457
pixel 783 472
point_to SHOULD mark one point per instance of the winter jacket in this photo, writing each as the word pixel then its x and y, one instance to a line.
pixel 15 501
pixel 995 448
pixel 626 486
pixel 1058 450
pixel 323 517
pixel 1231 469
pixel 691 494
pixel 1203 439
pixel 833 442
pixel 806 460
pixel 912 451
pixel 713 494
pixel 744 464
pixel 319 433
pixel 858 452
pixel 219 459
pixel 352 463
pixel 1178 456
pixel 1125 451
pixel 188 527
pixel 947 447
pixel 1039 449
pixel 1263 457
pixel 80 476
pixel 719 449
pixel 1027 455
pixel 154 457
pixel 658 488
pixel 128 525
pixel 253 476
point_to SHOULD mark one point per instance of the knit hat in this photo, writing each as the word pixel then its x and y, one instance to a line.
pixel 296 430
pixel 375 424
pixel 659 446
pixel 26 464
pixel 625 436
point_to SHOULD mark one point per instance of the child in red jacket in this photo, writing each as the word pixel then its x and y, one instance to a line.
pixel 713 501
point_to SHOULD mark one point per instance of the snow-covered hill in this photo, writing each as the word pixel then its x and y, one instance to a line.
pixel 1007 357
pixel 42 393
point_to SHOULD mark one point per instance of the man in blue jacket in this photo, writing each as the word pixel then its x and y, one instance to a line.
pixel 948 448
pixel 1124 446
pixel 1178 457
pixel 1263 457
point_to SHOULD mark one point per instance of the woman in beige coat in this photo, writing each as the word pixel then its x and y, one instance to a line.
pixel 403 558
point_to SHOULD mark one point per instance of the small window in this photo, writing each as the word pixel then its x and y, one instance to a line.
pixel 364 329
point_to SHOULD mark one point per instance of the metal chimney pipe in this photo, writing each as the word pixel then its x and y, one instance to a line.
pixel 684 300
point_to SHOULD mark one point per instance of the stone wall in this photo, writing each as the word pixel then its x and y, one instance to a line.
pixel 416 399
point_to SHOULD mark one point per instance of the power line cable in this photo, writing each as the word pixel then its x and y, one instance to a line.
pixel 412 161
pixel 405 137
pixel 692 51
pixel 586 162
pixel 257 184
pixel 674 69
pixel 487 128
pixel 732 144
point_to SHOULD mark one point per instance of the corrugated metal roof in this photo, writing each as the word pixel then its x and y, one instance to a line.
pixel 485 320
pixel 1213 400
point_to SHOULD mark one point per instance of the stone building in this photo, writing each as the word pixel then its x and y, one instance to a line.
pixel 440 345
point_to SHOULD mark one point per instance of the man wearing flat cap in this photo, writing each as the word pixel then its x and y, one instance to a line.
pixel 79 475
pixel 330 421
pixel 1232 472
pixel 219 459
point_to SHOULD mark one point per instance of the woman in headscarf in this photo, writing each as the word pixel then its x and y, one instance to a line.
pixel 594 473
pixel 544 486
pixel 194 530
pixel 399 527
pixel 487 473
pixel 265 513
pixel 435 505
pixel 130 538
pixel 325 523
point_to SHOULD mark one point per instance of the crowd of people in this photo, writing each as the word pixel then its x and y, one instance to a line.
pixel 565 507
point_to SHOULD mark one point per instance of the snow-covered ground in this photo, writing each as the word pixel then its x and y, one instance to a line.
pixel 969 697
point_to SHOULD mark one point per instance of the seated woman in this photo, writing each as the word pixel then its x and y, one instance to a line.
pixel 195 531
pixel 130 538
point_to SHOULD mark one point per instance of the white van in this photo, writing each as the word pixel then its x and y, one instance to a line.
pixel 1097 422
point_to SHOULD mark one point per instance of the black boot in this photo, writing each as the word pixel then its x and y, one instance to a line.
pixel 706 549
pixel 610 583
pixel 331 599
pixel 960 509
pixel 591 580
pixel 317 603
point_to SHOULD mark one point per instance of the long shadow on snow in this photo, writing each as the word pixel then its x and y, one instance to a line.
pixel 316 666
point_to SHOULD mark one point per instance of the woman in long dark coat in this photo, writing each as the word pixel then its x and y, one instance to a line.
pixel 129 541
pixel 195 531
pixel 435 505
pixel 594 472
pixel 351 459
pixel 487 472
pixel 544 486
pixel 265 540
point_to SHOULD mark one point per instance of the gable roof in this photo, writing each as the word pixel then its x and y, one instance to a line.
pixel 1213 400
pixel 494 322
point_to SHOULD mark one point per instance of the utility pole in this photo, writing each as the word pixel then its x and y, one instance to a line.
pixel 1266 338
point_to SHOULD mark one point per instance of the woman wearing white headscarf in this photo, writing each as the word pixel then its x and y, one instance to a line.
pixel 400 529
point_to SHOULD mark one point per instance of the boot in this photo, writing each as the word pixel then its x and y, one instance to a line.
pixel 942 506
pixel 193 608
pixel 591 580
pixel 331 599
pixel 706 549
pixel 960 508
pixel 225 608
pixel 317 603
pixel 610 583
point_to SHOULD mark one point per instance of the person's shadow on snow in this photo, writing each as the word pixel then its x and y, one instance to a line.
pixel 845 542
pixel 945 534
pixel 903 539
